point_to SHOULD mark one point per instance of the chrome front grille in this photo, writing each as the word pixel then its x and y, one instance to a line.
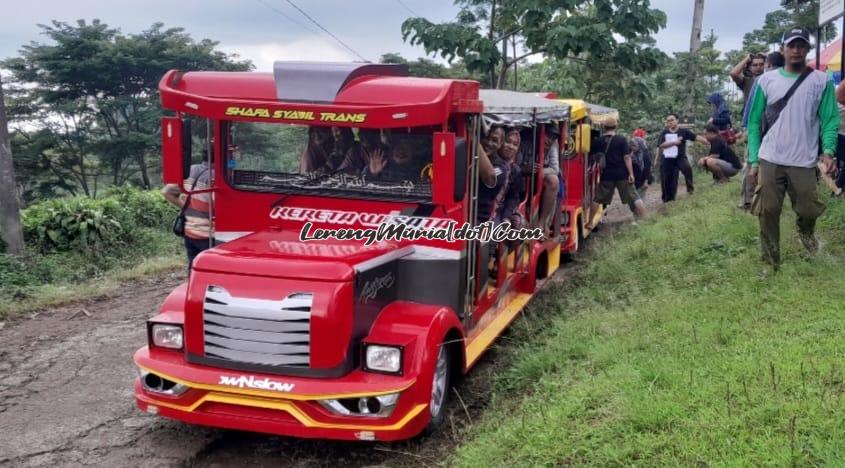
pixel 257 331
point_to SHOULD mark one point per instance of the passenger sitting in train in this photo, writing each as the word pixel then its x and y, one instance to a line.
pixel 401 164
pixel 317 155
pixel 551 180
pixel 358 156
pixel 508 211
pixel 344 141
pixel 493 175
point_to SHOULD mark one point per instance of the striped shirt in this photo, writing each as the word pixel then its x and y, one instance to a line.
pixel 810 114
pixel 197 219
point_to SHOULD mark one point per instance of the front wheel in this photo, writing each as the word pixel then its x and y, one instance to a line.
pixel 440 384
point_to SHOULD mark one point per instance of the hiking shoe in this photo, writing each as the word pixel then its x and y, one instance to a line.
pixel 809 242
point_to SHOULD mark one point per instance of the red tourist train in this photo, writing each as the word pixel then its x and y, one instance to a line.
pixel 338 338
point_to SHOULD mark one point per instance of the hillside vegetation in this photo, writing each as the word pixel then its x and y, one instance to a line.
pixel 78 247
pixel 670 349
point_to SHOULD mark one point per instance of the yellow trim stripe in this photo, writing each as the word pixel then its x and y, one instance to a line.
pixel 594 221
pixel 277 395
pixel 290 408
pixel 480 343
pixel 554 260
pixel 576 224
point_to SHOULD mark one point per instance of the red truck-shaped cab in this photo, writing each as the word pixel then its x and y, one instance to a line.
pixel 338 337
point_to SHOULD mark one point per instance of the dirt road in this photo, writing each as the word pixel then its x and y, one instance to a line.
pixel 66 397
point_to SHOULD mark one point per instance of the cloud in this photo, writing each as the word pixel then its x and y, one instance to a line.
pixel 310 48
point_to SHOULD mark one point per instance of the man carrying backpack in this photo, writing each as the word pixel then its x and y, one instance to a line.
pixel 641 162
pixel 796 108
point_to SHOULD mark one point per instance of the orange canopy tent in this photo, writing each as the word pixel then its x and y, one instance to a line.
pixel 831 57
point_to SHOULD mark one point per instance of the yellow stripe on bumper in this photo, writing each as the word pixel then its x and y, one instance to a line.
pixel 276 395
pixel 289 407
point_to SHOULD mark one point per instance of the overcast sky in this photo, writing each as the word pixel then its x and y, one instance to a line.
pixel 268 30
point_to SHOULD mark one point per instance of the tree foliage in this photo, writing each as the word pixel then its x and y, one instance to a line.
pixel 643 99
pixel 86 103
pixel 793 13
pixel 616 31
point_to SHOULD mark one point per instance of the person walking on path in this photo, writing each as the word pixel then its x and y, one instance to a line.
pixel 773 60
pixel 672 143
pixel 783 147
pixel 641 162
pixel 618 172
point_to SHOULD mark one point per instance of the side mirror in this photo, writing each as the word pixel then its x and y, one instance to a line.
pixel 176 149
pixel 582 139
pixel 443 169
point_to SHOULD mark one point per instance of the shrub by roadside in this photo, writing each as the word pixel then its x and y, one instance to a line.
pixel 74 240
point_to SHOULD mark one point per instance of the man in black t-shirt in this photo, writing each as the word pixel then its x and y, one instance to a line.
pixel 672 143
pixel 618 171
pixel 721 160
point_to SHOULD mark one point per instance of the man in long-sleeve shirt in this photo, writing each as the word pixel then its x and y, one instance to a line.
pixel 784 160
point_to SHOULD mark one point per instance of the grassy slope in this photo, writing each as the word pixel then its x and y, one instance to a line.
pixel 670 350
pixel 80 277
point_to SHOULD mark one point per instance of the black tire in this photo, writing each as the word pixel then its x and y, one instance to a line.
pixel 443 374
pixel 569 257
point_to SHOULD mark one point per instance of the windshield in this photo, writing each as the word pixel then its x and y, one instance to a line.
pixel 335 161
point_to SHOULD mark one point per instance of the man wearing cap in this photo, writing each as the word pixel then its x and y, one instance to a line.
pixel 618 171
pixel 784 155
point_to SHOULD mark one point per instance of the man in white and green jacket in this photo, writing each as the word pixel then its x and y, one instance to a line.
pixel 784 160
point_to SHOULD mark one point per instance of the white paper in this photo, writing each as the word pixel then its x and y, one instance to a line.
pixel 672 151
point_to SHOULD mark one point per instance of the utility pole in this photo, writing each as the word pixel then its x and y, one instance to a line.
pixel 490 36
pixel 694 45
pixel 10 215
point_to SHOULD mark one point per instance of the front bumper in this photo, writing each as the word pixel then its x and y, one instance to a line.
pixel 296 413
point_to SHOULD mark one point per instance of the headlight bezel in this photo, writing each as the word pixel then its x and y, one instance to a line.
pixel 365 360
pixel 387 404
pixel 152 327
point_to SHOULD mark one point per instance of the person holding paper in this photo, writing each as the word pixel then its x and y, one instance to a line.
pixel 672 143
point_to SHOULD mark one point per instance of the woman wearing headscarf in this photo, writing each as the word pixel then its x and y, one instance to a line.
pixel 721 112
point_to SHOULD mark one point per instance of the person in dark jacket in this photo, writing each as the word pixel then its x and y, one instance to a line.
pixel 642 164
pixel 721 112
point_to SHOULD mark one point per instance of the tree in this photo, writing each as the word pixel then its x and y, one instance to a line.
pixel 93 96
pixel 800 13
pixel 694 45
pixel 10 215
pixel 596 30
pixel 422 67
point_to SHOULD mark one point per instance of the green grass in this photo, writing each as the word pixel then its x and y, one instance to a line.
pixel 670 350
pixel 40 280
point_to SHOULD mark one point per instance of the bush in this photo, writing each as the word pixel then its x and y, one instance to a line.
pixel 72 240
pixel 142 208
pixel 77 223
pixel 95 224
